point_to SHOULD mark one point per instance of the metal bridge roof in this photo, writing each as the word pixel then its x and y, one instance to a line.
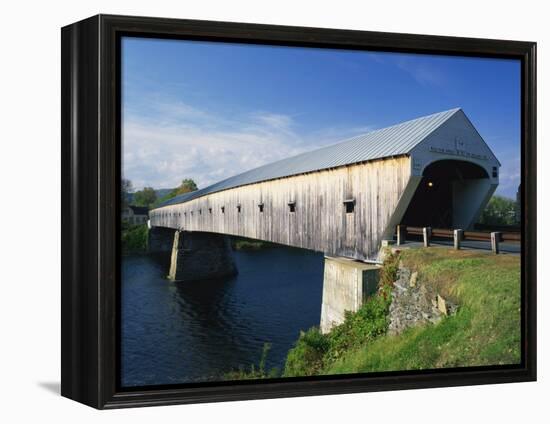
pixel 385 142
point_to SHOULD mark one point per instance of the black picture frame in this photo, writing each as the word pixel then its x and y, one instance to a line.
pixel 91 151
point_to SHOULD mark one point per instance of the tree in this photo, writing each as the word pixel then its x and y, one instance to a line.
pixel 187 185
pixel 145 197
pixel 125 190
pixel 499 211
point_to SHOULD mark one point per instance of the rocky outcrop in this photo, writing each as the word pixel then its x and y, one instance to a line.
pixel 414 304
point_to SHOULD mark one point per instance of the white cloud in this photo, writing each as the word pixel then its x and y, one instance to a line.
pixel 185 142
pixel 170 140
pixel 275 120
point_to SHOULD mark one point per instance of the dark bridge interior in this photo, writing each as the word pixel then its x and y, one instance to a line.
pixel 432 204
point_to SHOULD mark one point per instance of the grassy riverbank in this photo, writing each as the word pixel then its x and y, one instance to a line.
pixel 485 330
pixel 314 351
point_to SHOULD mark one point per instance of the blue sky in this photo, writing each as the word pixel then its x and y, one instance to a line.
pixel 211 110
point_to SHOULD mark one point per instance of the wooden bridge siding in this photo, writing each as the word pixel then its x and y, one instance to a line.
pixel 320 221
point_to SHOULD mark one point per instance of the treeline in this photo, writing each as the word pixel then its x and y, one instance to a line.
pixel 500 211
pixel 134 236
pixel 151 198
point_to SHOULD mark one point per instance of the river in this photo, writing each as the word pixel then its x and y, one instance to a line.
pixel 173 333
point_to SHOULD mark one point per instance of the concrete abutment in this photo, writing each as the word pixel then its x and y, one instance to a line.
pixel 346 285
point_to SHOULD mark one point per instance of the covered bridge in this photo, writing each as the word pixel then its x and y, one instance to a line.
pixel 342 200
pixel 346 198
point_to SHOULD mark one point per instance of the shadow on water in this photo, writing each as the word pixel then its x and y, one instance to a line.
pixel 182 332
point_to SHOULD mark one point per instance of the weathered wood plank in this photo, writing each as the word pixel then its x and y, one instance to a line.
pixel 319 221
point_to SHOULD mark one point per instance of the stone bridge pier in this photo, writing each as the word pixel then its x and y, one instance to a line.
pixel 160 240
pixel 193 255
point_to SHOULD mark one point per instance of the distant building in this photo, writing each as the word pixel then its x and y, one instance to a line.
pixel 135 214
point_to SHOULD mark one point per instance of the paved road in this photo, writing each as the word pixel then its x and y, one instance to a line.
pixel 510 248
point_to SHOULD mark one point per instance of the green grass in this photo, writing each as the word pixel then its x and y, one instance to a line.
pixel 484 331
pixel 314 351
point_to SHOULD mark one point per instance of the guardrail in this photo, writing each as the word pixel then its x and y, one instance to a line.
pixel 457 235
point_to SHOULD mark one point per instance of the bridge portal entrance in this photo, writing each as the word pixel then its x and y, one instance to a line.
pixel 448 195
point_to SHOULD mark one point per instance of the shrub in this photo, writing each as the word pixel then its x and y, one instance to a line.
pixel 306 358
pixel 134 238
pixel 388 273
pixel 361 327
pixel 314 351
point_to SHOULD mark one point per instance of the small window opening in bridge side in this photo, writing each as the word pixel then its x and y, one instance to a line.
pixel 191 213
pixel 292 206
pixel 210 211
pixel 349 204
pixel 495 172
pixel 223 209
pixel 261 207
pixel 238 208
pixel 185 214
pixel 200 211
